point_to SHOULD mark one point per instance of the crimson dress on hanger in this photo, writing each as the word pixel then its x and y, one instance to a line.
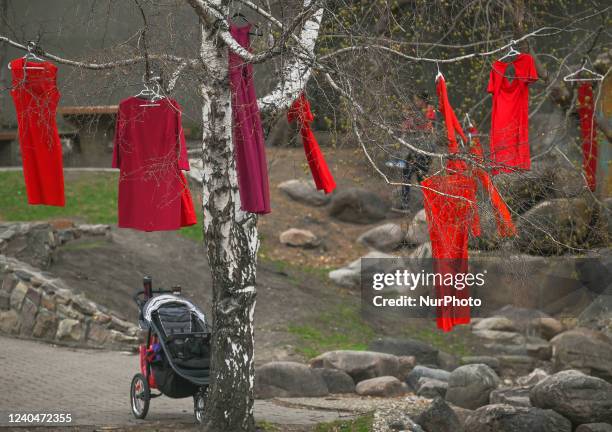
pixel 150 151
pixel 249 144
pixel 588 132
pixel 510 116
pixel 36 97
pixel 300 112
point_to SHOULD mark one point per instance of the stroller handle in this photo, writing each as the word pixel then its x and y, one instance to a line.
pixel 140 298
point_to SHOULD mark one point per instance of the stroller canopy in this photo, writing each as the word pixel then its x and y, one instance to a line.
pixel 175 313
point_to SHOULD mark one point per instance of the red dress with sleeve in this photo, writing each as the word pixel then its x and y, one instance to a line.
pixel 510 115
pixel 150 151
pixel 36 97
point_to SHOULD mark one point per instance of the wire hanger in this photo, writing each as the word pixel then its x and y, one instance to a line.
pixel 511 52
pixel 257 32
pixel 154 93
pixel 31 56
pixel 439 74
pixel 574 76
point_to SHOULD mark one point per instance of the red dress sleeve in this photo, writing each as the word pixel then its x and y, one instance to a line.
pixel 119 137
pixel 532 73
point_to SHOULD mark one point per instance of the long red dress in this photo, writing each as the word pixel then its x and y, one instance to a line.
pixel 249 144
pixel 36 97
pixel 300 112
pixel 150 151
pixel 588 132
pixel 510 116
pixel 449 219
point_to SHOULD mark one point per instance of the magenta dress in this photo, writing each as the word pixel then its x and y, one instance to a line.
pixel 249 144
pixel 150 152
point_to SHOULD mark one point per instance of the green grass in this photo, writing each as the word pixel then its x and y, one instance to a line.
pixel 360 424
pixel 340 328
pixel 265 426
pixel 90 198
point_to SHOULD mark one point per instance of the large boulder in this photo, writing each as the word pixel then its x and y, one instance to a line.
pixel 423 353
pixel 492 362
pixel 522 192
pixel 532 378
pixel 288 379
pixel 552 226
pixel 384 386
pixel 431 388
pixel 469 386
pixel 579 397
pixel 299 238
pixel 385 237
pixel 337 381
pixel 418 231
pixel 439 417
pixel 304 191
pixel 508 418
pixel 419 372
pixel 357 205
pixel 587 350
pixel 360 365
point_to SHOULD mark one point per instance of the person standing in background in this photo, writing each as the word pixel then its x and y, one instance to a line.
pixel 418 125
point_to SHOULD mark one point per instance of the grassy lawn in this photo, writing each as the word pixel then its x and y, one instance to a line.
pixel 343 328
pixel 90 198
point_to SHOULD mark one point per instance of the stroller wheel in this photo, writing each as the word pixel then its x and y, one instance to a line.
pixel 199 400
pixel 140 396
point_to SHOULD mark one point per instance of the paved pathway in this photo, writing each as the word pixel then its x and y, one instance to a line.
pixel 93 386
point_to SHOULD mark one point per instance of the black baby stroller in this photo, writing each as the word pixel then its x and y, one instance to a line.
pixel 175 357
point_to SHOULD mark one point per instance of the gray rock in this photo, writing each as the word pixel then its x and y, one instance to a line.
pixel 439 417
pixel 421 252
pixel 418 232
pixel 95 229
pixel 515 396
pixel 469 386
pixel 499 323
pixel 448 362
pixel 18 294
pixel 501 336
pixel 533 378
pixel 337 381
pixel 69 330
pixel 406 364
pixel 538 348
pixel 357 205
pixel 492 362
pixel 305 192
pixel 385 237
pixel 288 379
pixel 299 238
pixel 5 301
pixel 360 365
pixel 45 326
pixel 579 397
pixel 424 353
pixel 547 327
pixel 28 317
pixel 507 418
pixel 383 386
pixel 350 276
pixel 425 372
pixel 516 364
pixel 567 221
pixel 594 427
pixel 583 349
pixel 9 322
pixel 431 388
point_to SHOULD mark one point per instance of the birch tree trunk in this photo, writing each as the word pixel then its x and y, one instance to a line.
pixel 231 239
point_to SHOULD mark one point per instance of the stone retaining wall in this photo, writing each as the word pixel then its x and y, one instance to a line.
pixel 33 303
